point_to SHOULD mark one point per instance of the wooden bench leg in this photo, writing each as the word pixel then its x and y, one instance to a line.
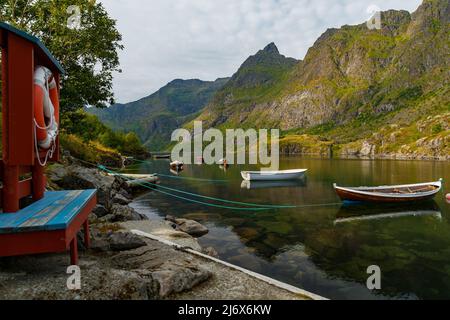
pixel 74 252
pixel 87 237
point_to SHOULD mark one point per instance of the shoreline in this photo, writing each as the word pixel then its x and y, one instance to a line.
pixel 132 257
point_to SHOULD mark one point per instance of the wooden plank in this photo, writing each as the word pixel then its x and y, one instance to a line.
pixel 40 219
pixel 78 221
pixel 24 170
pixel 10 221
pixel 16 244
pixel 5 102
pixel 71 211
pixel 20 94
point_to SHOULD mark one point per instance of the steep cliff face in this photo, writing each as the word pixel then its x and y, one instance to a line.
pixel 154 117
pixel 352 83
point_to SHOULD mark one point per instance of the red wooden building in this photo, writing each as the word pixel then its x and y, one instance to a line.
pixel 32 220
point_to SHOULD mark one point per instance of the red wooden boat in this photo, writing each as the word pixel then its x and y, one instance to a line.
pixel 396 194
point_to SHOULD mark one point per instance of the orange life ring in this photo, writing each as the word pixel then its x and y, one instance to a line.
pixel 46 107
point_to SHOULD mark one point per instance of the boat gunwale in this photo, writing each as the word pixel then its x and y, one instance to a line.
pixel 269 173
pixel 363 190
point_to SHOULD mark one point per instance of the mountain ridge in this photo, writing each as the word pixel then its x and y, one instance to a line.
pixel 155 116
pixel 361 92
pixel 354 83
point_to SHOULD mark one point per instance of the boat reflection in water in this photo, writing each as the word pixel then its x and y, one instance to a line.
pixel 273 184
pixel 361 212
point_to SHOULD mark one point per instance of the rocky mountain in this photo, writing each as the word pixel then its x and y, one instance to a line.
pixel 262 76
pixel 154 117
pixel 363 91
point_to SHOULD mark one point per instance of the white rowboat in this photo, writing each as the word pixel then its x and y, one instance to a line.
pixel 273 175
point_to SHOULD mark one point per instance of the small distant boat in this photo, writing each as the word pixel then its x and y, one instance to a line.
pixel 273 175
pixel 161 156
pixel 177 165
pixel 137 179
pixel 400 193
pixel 143 181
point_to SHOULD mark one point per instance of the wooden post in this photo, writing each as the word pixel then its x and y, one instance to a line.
pixel 74 251
pixel 39 181
pixel 87 237
pixel 20 92
pixel 18 95
pixel 10 189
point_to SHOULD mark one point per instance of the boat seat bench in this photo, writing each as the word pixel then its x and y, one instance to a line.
pixel 49 225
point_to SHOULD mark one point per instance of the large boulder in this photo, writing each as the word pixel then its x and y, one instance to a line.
pixel 121 213
pixel 172 271
pixel 75 177
pixel 191 227
pixel 123 241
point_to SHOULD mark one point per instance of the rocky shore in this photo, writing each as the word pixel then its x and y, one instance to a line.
pixel 122 265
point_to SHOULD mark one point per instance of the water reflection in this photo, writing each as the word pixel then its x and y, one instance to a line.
pixel 272 184
pixel 361 212
pixel 315 247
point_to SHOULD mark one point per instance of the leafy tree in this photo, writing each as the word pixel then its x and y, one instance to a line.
pixel 89 54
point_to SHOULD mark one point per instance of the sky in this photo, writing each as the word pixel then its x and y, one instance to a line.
pixel 208 39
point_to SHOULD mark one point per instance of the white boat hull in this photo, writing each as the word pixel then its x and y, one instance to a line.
pixel 273 175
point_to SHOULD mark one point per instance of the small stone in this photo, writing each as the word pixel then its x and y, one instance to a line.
pixel 170 218
pixel 92 218
pixel 210 251
pixel 100 211
pixel 191 227
pixel 120 199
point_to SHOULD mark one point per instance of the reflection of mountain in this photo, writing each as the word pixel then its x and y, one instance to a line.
pixel 304 247
pixel 343 252
pixel 395 245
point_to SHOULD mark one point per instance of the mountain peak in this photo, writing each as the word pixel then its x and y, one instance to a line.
pixel 271 48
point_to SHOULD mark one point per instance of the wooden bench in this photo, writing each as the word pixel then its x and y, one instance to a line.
pixel 48 225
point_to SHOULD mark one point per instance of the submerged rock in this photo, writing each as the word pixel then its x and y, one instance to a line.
pixel 210 251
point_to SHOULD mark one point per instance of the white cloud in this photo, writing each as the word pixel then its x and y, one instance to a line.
pixel 207 39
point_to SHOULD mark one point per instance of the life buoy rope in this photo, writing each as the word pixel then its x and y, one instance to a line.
pixel 46 112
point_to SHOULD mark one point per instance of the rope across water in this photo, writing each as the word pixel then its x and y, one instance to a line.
pixel 180 178
pixel 255 206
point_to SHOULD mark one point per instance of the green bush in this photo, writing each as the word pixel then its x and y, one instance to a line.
pixel 89 129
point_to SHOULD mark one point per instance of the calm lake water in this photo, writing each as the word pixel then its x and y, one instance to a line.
pixel 323 249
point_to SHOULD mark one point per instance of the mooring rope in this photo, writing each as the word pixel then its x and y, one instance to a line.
pixel 263 206
pixel 153 187
pixel 178 177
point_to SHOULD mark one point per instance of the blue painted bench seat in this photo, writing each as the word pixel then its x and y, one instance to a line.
pixel 55 211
